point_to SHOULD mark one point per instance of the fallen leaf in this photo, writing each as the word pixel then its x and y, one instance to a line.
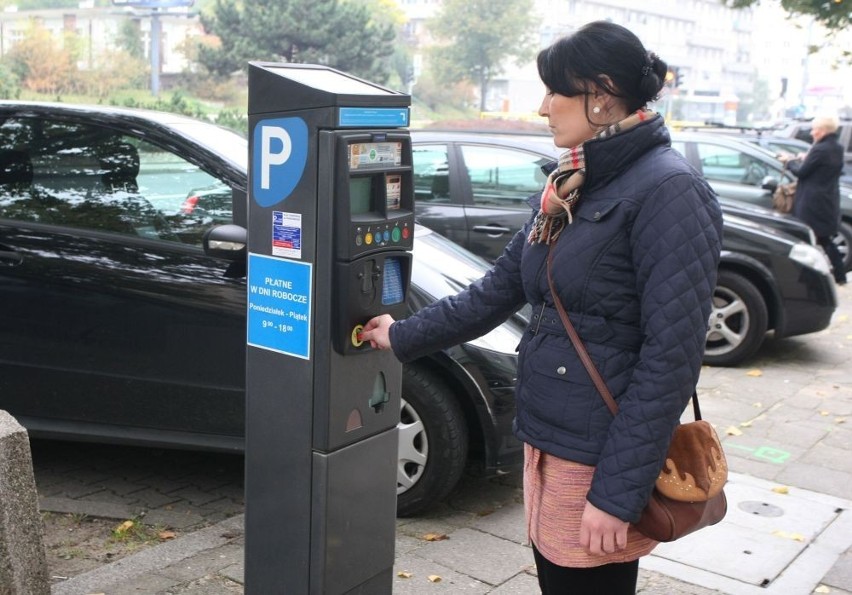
pixel 824 413
pixel 840 420
pixel 124 527
pixel 822 589
pixel 786 535
pixel 404 574
pixel 745 424
pixel 781 490
pixel 842 318
pixel 754 372
pixel 434 578
pixel 165 535
pixel 435 537
pixel 758 404
pixel 733 431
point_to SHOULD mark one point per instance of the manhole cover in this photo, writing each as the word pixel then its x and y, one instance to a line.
pixel 760 508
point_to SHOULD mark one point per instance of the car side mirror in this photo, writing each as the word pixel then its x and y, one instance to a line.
pixel 769 183
pixel 226 241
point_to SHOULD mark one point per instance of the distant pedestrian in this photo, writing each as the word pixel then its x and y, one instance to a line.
pixel 817 200
pixel 633 234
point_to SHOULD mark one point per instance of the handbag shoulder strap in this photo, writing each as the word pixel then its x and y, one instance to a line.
pixel 580 348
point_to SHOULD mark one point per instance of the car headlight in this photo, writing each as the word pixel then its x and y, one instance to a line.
pixel 501 339
pixel 810 256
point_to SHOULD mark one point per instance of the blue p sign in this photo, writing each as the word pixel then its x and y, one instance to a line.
pixel 280 151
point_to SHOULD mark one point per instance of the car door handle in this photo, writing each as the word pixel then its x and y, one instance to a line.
pixel 495 230
pixel 10 257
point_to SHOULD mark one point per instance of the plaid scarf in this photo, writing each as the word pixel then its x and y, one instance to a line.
pixel 562 189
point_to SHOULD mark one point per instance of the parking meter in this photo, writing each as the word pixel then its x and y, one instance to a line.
pixel 331 223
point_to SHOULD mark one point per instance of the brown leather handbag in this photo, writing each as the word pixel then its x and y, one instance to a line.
pixel 688 494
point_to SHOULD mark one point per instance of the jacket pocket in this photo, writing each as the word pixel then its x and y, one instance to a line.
pixel 599 210
pixel 558 392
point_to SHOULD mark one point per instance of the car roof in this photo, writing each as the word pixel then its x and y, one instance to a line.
pixel 539 143
pixel 224 142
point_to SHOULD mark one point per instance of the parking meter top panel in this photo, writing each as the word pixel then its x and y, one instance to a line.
pixel 310 86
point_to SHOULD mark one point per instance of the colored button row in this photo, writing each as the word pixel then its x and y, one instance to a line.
pixel 393 235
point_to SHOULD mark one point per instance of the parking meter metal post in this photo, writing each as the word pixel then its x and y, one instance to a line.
pixel 331 224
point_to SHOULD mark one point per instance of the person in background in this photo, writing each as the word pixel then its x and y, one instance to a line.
pixel 817 200
pixel 636 236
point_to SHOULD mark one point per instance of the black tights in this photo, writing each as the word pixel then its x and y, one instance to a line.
pixel 609 579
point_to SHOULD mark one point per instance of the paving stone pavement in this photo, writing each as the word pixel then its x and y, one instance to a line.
pixel 785 420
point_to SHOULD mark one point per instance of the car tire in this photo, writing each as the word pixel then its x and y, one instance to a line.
pixel 433 441
pixel 738 321
pixel 843 241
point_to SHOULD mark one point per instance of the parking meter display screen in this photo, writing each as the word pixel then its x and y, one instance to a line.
pixel 392 290
pixel 360 195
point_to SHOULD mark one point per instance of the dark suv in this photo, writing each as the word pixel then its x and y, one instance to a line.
pixel 473 188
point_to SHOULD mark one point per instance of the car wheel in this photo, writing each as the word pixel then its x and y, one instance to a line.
pixel 843 241
pixel 738 321
pixel 432 441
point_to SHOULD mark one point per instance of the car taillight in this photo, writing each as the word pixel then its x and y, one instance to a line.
pixel 189 205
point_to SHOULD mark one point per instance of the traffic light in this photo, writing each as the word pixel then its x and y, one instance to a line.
pixel 674 77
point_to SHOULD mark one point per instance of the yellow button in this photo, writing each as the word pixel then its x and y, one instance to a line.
pixel 368 239
pixel 356 335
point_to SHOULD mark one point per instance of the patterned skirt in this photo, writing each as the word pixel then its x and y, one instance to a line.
pixel 554 499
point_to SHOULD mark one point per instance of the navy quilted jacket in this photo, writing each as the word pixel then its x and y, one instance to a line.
pixel 635 271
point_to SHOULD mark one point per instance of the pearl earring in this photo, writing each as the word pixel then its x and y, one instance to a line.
pixel 596 110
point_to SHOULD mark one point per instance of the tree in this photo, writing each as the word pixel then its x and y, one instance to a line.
pixel 41 63
pixel 832 14
pixel 341 34
pixel 130 40
pixel 477 37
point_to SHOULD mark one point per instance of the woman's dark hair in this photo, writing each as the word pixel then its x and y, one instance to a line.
pixel 599 50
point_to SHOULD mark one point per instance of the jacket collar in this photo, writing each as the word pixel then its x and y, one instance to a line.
pixel 607 157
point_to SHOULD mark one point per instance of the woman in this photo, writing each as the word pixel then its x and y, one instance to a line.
pixel 636 237
pixel 817 200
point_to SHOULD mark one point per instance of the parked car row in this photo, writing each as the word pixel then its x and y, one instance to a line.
pixel 119 326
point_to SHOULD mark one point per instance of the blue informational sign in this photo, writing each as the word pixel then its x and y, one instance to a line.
pixel 279 305
pixel 279 155
pixel 369 117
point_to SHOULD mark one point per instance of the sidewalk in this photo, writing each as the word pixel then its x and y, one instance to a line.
pixel 786 425
pixel 770 543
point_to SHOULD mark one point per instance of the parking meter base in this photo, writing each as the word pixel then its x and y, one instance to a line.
pixel 353 489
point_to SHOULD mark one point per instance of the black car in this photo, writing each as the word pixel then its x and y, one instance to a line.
pixel 473 188
pixel 750 173
pixel 116 325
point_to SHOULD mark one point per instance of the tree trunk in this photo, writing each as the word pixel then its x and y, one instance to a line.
pixel 483 92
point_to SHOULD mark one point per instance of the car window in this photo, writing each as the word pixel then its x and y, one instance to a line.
pixel 91 177
pixel 804 133
pixel 431 173
pixel 725 164
pixel 503 177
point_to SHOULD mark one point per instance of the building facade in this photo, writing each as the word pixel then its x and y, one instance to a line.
pixel 726 60
pixel 96 29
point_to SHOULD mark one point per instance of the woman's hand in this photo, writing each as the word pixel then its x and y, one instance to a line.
pixel 377 331
pixel 600 532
